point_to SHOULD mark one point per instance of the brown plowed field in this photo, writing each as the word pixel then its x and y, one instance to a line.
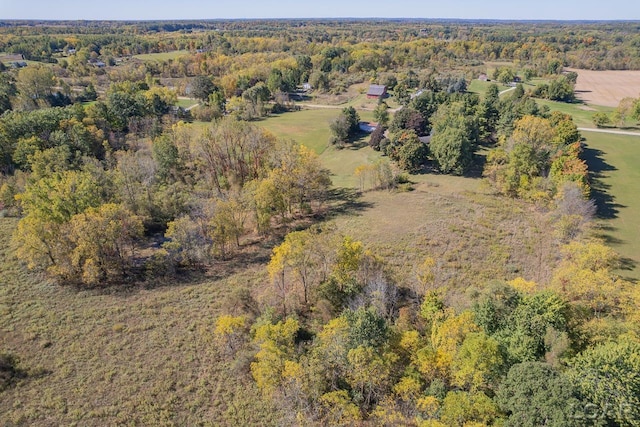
pixel 606 87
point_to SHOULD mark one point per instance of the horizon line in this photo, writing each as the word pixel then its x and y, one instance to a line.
pixel 345 18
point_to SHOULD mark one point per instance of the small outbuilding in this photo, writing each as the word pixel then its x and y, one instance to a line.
pixel 367 126
pixel 377 91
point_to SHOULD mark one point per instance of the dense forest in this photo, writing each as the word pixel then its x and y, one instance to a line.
pixel 108 185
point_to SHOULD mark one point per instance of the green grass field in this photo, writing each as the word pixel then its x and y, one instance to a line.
pixel 163 56
pixel 311 128
pixel 614 161
pixel 582 113
pixel 480 87
pixel 186 103
pixel 308 127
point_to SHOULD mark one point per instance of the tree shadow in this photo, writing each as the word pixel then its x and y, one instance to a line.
pixel 249 255
pixel 477 167
pixel 345 201
pixel 254 252
pixel 299 97
pixel 604 232
pixel 627 264
pixel 10 373
pixel 598 168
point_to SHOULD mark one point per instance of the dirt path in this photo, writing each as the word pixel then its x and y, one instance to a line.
pixel 334 107
pixel 340 107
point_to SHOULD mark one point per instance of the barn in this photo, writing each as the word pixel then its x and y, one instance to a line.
pixel 377 91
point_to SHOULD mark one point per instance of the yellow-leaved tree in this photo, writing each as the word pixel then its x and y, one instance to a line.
pixel 103 242
pixel 41 239
pixel 276 344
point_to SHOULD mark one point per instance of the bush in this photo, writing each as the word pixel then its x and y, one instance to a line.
pixel 601 119
pixel 206 113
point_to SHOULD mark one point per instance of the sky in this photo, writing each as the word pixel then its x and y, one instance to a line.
pixel 211 9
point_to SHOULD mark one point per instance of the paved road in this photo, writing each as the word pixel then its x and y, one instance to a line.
pixel 611 131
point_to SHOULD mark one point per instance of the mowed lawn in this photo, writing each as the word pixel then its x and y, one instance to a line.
pixel 186 103
pixel 582 113
pixel 162 56
pixel 614 161
pixel 311 128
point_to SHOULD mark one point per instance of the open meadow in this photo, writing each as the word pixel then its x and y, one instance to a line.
pixel 451 219
pixel 126 357
pixel 146 356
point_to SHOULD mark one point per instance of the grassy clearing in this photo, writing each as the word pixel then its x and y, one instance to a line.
pixel 186 103
pixel 582 113
pixel 480 87
pixel 311 128
pixel 355 96
pixel 163 56
pixel 492 65
pixel 473 237
pixel 614 161
pixel 308 127
pixel 136 357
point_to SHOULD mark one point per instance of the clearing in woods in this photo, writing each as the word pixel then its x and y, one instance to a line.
pixel 606 87
pixel 146 356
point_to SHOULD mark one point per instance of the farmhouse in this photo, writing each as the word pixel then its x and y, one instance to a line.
pixel 377 91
